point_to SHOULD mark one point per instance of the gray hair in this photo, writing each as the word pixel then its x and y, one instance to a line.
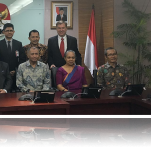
pixel 65 54
pixel 61 22
pixel 109 48
pixel 32 48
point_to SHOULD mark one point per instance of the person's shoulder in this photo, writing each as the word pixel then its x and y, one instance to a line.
pixel 16 41
pixel 80 67
pixel 27 46
pixel 4 64
pixel 23 64
pixel 52 38
pixel 102 67
pixel 42 64
pixel 2 40
pixel 42 46
pixel 60 68
pixel 71 37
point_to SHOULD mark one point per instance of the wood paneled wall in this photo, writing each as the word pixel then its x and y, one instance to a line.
pixel 104 12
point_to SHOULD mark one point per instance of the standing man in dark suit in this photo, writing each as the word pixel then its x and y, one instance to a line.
pixel 5 78
pixel 11 51
pixel 61 15
pixel 59 44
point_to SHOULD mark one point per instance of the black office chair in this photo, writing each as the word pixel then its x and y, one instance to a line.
pixel 53 77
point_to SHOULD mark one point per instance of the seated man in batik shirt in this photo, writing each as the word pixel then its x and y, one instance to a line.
pixel 111 74
pixel 33 74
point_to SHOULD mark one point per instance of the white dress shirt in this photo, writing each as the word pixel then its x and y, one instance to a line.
pixel 65 42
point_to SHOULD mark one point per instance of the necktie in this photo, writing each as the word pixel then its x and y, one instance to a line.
pixel 9 47
pixel 62 47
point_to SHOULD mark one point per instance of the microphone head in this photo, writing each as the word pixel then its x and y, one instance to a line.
pixel 28 90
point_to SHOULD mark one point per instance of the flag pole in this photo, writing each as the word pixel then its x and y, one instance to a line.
pixel 93 6
pixel 90 57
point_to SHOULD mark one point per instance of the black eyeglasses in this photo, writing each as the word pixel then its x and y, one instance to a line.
pixel 9 31
pixel 114 54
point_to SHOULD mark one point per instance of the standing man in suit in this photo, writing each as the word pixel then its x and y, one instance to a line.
pixel 61 15
pixel 5 78
pixel 59 44
pixel 11 51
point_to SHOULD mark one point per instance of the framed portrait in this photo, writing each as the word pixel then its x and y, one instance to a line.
pixel 61 10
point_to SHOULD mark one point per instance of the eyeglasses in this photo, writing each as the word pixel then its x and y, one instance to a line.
pixel 114 54
pixel 9 31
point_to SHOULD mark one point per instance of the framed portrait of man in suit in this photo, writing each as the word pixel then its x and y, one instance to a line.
pixel 61 10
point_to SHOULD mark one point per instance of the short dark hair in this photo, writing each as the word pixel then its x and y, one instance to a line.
pixel 61 22
pixel 65 54
pixel 8 25
pixel 109 48
pixel 61 9
pixel 33 31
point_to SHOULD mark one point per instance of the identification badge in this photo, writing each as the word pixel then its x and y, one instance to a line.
pixel 17 53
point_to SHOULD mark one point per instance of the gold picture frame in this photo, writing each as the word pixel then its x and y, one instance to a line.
pixel 61 10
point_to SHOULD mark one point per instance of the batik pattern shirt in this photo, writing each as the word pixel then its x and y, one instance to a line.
pixel 43 52
pixel 110 77
pixel 37 78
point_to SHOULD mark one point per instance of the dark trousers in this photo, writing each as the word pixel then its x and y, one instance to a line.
pixel 14 87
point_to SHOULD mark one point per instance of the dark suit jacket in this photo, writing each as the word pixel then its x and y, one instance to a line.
pixel 54 54
pixel 5 77
pixel 58 18
pixel 10 57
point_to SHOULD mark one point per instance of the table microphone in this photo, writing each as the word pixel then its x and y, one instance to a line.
pixel 27 96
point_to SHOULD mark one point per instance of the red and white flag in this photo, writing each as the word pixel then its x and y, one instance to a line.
pixel 90 58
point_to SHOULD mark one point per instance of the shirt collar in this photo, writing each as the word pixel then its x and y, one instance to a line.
pixel 7 40
pixel 108 65
pixel 28 63
pixel 38 45
pixel 59 37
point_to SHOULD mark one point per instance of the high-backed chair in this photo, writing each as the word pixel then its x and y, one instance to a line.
pixel 95 77
pixel 53 77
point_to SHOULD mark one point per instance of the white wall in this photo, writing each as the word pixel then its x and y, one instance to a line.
pixel 29 18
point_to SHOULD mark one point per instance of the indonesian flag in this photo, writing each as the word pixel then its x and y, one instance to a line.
pixel 90 58
pixel 57 10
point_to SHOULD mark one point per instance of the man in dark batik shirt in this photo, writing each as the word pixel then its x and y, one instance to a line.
pixel 34 42
pixel 111 74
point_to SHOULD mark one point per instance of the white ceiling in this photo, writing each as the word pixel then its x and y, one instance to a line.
pixel 7 2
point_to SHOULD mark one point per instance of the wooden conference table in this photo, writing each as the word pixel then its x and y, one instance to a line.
pixel 105 105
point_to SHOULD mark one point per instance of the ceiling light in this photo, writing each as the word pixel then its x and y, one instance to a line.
pixel 18 5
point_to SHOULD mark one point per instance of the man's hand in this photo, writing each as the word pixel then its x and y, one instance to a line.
pixel 12 73
pixel 52 66
pixel 2 91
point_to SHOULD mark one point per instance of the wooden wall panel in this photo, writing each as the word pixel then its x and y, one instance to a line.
pixel 104 26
